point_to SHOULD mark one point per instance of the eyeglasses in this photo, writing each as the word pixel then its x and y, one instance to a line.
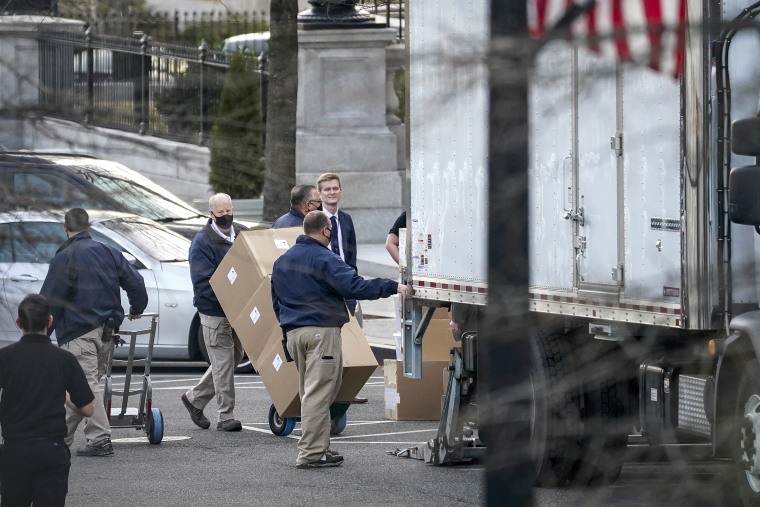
pixel 315 201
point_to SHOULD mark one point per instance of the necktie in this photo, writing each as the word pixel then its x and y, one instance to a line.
pixel 334 236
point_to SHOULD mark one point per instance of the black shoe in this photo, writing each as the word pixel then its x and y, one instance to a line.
pixel 196 414
pixel 229 425
pixel 328 460
pixel 102 448
pixel 359 399
pixel 330 452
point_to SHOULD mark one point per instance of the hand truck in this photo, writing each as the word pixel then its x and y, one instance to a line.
pixel 145 417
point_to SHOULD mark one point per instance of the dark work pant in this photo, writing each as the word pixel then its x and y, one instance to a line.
pixel 34 472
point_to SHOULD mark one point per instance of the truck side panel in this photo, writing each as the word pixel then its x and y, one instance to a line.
pixel 448 115
pixel 551 127
pixel 652 197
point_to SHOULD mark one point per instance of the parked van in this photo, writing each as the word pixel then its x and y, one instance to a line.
pixel 255 43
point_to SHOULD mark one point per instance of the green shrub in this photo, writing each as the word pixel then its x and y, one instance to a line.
pixel 237 148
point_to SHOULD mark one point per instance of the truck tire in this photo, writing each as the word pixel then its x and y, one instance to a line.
pixel 747 434
pixel 555 421
pixel 604 439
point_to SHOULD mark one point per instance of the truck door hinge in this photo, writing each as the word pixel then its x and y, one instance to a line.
pixel 617 275
pixel 616 143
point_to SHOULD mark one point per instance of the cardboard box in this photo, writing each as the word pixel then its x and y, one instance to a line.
pixel 281 378
pixel 413 399
pixel 257 322
pixel 359 361
pixel 249 259
pixel 438 341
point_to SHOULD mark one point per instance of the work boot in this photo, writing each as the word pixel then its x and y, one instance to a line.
pixel 102 448
pixel 196 414
pixel 229 425
pixel 327 460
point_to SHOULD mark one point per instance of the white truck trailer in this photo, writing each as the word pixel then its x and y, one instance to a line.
pixel 644 244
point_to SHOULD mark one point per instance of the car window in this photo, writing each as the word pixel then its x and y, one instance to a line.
pixel 155 240
pixel 6 245
pixel 104 239
pixel 144 199
pixel 37 242
pixel 35 190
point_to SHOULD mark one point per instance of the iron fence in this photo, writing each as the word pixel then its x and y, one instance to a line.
pixel 393 12
pixel 188 28
pixel 132 83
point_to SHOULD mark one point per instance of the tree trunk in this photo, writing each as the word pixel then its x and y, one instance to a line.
pixel 280 151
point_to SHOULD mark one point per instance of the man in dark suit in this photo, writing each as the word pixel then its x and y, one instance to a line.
pixel 342 244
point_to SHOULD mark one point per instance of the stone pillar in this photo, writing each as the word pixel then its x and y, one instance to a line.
pixel 341 124
pixel 20 69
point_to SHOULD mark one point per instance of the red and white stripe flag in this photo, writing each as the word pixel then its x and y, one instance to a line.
pixel 647 32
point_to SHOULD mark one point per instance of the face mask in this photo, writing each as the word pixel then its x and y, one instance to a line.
pixel 223 222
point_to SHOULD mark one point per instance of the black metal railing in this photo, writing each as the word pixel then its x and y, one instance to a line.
pixel 392 10
pixel 132 83
pixel 184 27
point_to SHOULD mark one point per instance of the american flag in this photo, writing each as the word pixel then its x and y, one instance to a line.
pixel 647 32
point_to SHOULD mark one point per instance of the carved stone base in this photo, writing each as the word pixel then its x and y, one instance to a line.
pixel 334 15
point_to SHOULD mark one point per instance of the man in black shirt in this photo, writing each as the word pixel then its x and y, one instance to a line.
pixel 37 379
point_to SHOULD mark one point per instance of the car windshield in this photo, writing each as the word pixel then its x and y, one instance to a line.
pixel 155 240
pixel 138 194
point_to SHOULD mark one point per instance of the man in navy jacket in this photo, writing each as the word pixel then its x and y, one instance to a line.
pixel 310 286
pixel 303 199
pixel 82 286
pixel 222 344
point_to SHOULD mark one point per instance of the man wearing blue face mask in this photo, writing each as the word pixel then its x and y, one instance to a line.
pixel 222 344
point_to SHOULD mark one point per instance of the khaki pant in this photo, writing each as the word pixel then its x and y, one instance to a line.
pixel 224 353
pixel 318 355
pixel 92 355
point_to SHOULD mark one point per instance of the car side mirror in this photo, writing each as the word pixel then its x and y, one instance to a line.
pixel 745 137
pixel 743 192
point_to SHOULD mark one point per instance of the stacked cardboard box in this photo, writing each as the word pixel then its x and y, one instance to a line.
pixel 242 283
pixel 420 399
pixel 413 399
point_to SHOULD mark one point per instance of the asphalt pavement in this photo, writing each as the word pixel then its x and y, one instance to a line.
pixel 254 467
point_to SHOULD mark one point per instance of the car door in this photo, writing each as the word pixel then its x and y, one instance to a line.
pixel 26 251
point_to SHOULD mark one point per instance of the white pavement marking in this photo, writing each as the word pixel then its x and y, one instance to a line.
pixel 382 434
pixel 267 430
pixel 145 439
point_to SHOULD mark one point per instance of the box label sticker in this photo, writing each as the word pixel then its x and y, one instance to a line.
pixel 277 362
pixel 232 275
pixel 391 398
pixel 281 244
pixel 255 314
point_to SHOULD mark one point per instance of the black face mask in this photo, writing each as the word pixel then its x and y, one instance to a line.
pixel 223 222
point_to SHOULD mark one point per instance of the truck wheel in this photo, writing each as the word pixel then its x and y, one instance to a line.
pixel 747 434
pixel 603 443
pixel 555 418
